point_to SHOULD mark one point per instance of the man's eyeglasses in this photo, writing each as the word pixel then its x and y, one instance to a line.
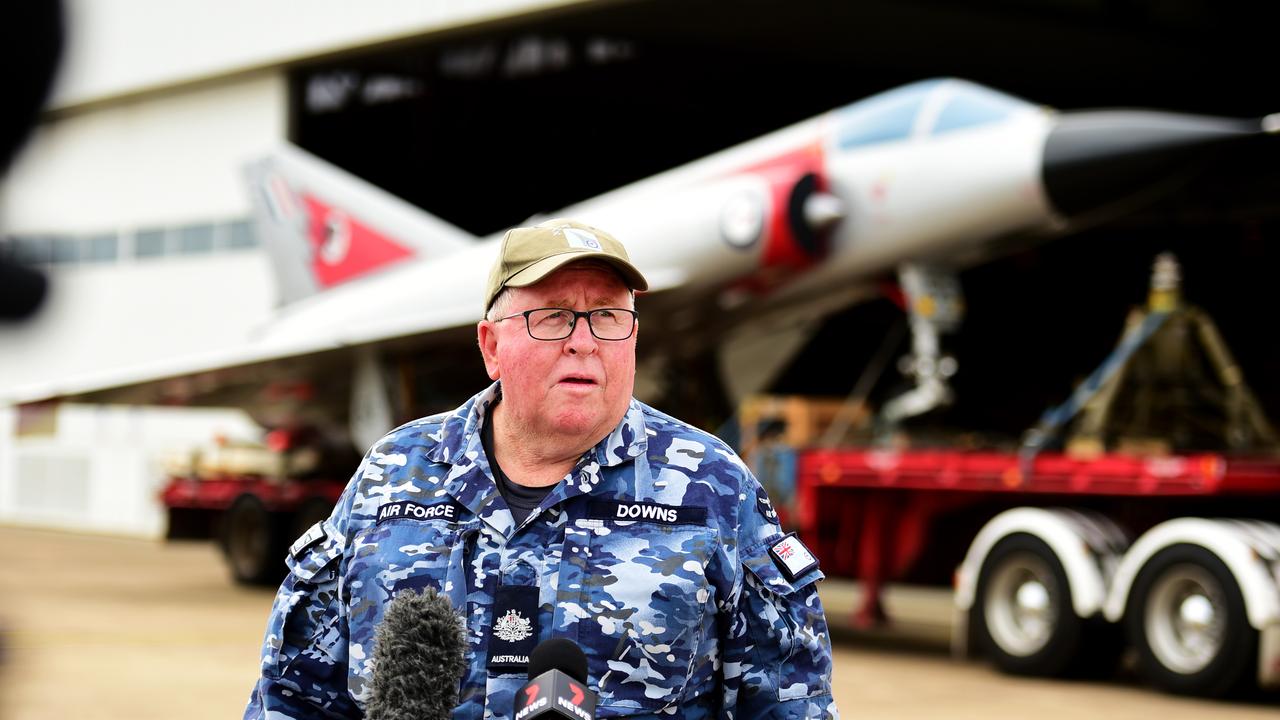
pixel 557 323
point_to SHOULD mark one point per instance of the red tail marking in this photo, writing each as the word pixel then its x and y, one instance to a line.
pixel 342 247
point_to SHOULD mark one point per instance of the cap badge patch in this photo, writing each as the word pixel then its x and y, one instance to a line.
pixel 581 238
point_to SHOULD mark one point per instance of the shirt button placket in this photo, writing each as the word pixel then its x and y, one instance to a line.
pixel 491 548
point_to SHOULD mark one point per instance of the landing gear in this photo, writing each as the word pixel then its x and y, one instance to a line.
pixel 935 306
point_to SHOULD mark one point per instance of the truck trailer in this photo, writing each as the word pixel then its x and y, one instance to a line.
pixel 255 498
pixel 1141 513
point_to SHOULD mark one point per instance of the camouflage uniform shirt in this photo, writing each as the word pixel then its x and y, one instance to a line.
pixel 683 611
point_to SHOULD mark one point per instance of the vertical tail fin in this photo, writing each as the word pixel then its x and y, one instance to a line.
pixel 323 226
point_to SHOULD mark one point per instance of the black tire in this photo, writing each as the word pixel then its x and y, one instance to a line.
pixel 251 543
pixel 1022 618
pixel 1181 649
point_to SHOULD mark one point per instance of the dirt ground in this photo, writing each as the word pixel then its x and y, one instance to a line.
pixel 97 627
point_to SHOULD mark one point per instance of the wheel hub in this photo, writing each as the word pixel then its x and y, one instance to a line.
pixel 1185 619
pixel 1021 608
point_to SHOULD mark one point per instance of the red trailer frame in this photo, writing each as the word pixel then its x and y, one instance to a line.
pixel 898 495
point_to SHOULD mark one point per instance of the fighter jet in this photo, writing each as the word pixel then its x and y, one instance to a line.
pixel 745 251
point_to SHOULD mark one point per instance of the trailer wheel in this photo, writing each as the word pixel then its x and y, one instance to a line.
pixel 251 545
pixel 1023 618
pixel 1186 617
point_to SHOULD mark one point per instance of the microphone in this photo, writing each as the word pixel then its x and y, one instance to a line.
pixel 558 688
pixel 419 656
pixel 22 290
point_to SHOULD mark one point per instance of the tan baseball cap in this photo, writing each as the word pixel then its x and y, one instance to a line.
pixel 529 254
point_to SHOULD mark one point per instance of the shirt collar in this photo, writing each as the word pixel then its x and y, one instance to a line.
pixel 460 433
pixel 469 479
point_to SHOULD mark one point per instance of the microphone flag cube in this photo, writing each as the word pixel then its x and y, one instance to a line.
pixel 554 694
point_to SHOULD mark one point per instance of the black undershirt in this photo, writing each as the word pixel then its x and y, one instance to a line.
pixel 522 499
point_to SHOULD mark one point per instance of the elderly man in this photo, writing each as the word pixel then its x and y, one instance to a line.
pixel 553 504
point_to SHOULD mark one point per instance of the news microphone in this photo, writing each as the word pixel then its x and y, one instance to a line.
pixel 419 656
pixel 558 684
pixel 32 36
pixel 22 290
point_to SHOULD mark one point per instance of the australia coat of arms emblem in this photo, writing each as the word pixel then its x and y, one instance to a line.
pixel 512 628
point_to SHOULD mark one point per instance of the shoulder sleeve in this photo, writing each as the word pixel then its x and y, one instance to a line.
pixel 777 646
pixel 304 652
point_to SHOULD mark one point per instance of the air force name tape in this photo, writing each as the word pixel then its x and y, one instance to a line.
pixel 792 557
pixel 647 512
pixel 448 510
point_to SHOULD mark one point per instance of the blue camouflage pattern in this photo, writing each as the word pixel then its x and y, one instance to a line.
pixel 684 620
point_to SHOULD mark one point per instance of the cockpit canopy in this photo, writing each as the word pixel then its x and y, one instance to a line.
pixel 928 107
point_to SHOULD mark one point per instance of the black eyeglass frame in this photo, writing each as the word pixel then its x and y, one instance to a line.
pixel 573 324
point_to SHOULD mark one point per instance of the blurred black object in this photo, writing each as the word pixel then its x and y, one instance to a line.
pixel 22 290
pixel 31 41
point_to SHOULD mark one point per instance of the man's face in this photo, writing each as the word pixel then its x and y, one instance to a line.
pixel 577 387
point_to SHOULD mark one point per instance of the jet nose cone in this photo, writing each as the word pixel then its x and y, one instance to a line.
pixel 1098 158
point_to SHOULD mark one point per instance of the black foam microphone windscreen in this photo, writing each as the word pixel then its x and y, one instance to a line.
pixel 561 654
pixel 557 686
pixel 419 655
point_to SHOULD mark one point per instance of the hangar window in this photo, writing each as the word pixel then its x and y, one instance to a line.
pixel 195 238
pixel 32 249
pixel 149 243
pixel 99 248
pixel 66 250
pixel 882 118
pixel 239 234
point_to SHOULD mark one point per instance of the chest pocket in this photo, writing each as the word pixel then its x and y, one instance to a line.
pixel 646 600
pixel 399 554
pixel 405 553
